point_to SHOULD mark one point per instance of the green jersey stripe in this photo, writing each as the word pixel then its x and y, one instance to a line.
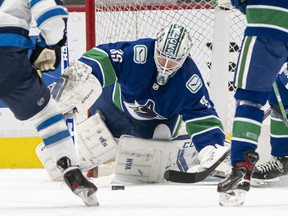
pixel 177 126
pixel 278 128
pixel 102 59
pixel 117 96
pixel 246 130
pixel 275 17
pixel 198 126
pixel 244 62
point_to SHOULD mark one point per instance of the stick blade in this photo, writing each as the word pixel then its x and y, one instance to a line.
pixel 179 177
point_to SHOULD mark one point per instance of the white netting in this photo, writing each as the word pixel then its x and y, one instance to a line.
pixel 118 20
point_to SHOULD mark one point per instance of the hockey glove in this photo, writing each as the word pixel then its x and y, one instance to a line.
pixel 45 57
pixel 240 5
pixel 223 4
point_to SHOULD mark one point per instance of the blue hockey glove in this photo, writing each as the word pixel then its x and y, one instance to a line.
pixel 45 57
pixel 240 5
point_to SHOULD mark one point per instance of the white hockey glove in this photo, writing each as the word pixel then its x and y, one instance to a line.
pixel 76 88
pixel 209 155
pixel 45 57
pixel 225 4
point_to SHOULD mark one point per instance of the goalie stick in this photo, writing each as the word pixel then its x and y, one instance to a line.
pixel 182 177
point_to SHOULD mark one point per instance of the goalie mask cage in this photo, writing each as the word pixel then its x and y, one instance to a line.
pixel 216 36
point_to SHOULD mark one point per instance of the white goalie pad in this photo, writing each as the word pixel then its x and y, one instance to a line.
pixel 76 88
pixel 145 161
pixel 48 162
pixel 95 146
pixel 95 143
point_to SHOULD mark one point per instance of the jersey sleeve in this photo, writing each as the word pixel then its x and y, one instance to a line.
pixel 200 117
pixel 107 61
pixel 50 17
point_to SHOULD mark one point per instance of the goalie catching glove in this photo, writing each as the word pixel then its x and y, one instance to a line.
pixel 76 88
pixel 46 57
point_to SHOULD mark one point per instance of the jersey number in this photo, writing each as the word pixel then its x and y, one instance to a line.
pixel 116 55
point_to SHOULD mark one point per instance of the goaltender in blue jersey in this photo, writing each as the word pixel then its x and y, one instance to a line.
pixel 148 87
pixel 142 95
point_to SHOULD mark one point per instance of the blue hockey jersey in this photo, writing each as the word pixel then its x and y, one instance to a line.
pixel 130 67
pixel 16 16
pixel 267 18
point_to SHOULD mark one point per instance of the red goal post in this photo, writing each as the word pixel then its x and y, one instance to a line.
pixel 216 36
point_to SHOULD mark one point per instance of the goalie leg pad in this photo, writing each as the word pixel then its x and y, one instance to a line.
pixel 95 143
pixel 95 146
pixel 145 160
pixel 48 162
pixel 76 88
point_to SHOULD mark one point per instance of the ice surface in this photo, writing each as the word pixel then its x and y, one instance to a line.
pixel 29 192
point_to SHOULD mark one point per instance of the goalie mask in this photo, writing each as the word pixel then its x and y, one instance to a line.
pixel 172 47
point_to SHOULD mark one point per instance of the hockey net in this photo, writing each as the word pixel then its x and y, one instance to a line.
pixel 118 20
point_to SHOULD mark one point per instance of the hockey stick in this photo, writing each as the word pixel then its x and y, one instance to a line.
pixel 182 177
pixel 279 110
pixel 70 117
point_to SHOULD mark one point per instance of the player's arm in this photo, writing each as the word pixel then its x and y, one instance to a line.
pixel 199 115
pixel 82 81
pixel 108 61
pixel 51 18
pixel 205 128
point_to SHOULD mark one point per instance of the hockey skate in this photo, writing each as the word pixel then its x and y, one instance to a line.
pixel 233 189
pixel 270 172
pixel 78 184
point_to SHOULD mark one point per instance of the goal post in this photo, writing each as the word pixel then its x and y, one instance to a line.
pixel 216 36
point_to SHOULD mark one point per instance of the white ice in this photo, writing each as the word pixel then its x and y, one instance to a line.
pixel 29 192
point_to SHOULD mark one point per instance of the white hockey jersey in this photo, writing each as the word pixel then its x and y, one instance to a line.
pixel 16 16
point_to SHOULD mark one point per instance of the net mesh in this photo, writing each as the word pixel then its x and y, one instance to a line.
pixel 120 20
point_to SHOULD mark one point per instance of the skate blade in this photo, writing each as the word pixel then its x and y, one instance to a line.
pixel 87 196
pixel 264 182
pixel 232 198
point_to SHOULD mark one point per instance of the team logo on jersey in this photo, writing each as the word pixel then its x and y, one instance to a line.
pixel 194 83
pixel 143 112
pixel 140 54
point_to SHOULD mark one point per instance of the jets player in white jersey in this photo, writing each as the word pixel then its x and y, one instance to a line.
pixel 146 88
pixel 23 91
